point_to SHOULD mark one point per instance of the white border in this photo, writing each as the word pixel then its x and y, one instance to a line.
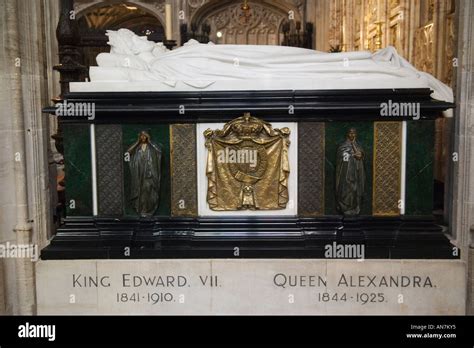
pixel 94 171
pixel 403 168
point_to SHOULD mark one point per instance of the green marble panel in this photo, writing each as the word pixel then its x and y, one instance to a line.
pixel 78 171
pixel 419 168
pixel 335 135
pixel 160 135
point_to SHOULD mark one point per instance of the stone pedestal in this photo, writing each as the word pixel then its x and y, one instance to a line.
pixel 252 287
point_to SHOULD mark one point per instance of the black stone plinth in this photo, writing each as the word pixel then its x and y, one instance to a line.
pixel 275 237
pixel 274 106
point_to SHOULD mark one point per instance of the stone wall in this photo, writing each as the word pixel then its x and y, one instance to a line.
pixel 470 282
pixel 25 214
pixel 462 218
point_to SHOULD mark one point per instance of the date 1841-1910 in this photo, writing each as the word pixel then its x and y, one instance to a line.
pixel 149 297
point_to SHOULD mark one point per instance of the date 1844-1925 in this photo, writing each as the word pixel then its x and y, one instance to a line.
pixel 359 297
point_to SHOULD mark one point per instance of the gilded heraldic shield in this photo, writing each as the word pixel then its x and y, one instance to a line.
pixel 247 165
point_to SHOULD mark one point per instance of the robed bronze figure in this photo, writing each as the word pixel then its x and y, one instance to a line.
pixel 350 175
pixel 145 175
pixel 247 165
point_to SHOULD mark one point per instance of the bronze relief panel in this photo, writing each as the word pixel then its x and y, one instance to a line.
pixel 247 165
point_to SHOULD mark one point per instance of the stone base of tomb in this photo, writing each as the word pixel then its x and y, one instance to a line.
pixel 252 287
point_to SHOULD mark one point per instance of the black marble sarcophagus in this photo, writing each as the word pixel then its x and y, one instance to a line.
pixel 393 218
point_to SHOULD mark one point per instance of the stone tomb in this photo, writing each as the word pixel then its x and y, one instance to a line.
pixel 247 261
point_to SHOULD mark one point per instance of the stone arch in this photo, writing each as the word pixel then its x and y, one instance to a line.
pixel 156 9
pixel 264 26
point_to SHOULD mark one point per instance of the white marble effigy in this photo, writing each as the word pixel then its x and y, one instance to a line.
pixel 136 64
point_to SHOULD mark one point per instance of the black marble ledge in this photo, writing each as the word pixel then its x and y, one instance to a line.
pixel 209 106
pixel 262 237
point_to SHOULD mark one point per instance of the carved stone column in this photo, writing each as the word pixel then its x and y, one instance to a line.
pixel 462 219
pixel 2 291
pixel 24 273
